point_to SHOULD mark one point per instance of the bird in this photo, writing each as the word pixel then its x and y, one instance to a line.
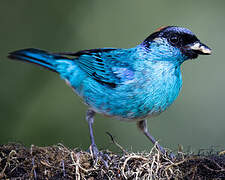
pixel 132 84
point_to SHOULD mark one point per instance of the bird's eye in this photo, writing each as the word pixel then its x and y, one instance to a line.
pixel 174 39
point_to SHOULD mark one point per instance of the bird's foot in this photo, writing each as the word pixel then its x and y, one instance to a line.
pixel 162 150
pixel 98 155
pixel 172 156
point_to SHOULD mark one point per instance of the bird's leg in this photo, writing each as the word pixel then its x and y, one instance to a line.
pixel 142 125
pixel 90 119
pixel 96 153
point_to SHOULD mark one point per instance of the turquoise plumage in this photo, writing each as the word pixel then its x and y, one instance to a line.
pixel 130 84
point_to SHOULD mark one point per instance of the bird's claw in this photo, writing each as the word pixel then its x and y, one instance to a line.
pixel 162 150
pixel 172 156
pixel 98 155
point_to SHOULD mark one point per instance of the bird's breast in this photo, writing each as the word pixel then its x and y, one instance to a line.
pixel 159 85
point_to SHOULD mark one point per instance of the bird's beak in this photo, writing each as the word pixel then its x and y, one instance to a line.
pixel 200 48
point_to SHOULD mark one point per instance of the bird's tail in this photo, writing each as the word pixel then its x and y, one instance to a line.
pixel 36 56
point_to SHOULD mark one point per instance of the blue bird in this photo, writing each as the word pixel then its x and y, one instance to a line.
pixel 129 84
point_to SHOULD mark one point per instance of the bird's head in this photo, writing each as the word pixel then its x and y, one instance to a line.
pixel 172 43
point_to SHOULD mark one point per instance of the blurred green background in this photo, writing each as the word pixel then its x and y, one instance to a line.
pixel 37 107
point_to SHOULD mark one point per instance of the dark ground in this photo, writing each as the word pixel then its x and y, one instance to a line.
pixel 59 162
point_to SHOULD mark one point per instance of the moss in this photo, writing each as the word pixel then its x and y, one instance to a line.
pixel 60 162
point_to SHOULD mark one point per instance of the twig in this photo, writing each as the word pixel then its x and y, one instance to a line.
pixel 117 144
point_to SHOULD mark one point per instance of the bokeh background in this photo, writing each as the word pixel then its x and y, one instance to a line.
pixel 37 107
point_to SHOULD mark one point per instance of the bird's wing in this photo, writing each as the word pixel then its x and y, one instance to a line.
pixel 104 65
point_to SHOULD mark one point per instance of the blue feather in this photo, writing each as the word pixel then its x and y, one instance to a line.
pixel 127 83
pixel 36 56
